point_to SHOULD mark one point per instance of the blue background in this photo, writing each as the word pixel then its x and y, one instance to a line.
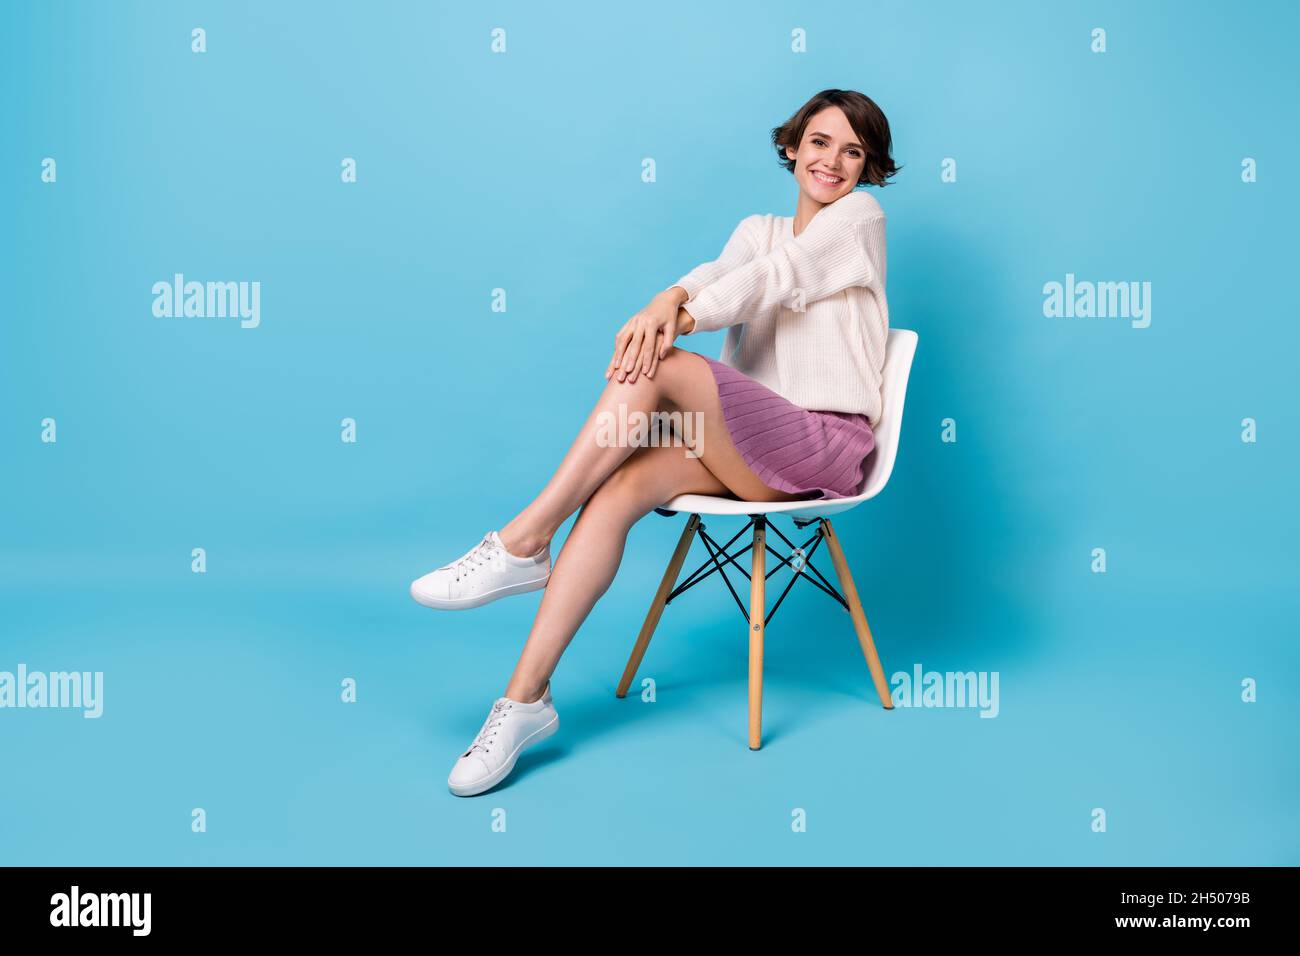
pixel 522 171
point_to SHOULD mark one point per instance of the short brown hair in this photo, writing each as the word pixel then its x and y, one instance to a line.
pixel 867 121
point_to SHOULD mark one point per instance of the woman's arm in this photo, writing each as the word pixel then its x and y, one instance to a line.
pixel 646 337
pixel 843 246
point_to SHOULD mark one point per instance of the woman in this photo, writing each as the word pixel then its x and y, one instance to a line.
pixel 786 414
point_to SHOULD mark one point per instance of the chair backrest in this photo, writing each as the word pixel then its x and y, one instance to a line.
pixel 900 349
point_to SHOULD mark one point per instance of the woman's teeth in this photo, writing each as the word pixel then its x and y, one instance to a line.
pixel 828 180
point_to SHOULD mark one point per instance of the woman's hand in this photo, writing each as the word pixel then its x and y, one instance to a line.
pixel 648 336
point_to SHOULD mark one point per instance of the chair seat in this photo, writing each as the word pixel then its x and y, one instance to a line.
pixel 900 348
pixel 713 505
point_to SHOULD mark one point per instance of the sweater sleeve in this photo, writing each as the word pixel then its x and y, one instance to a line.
pixel 740 248
pixel 843 246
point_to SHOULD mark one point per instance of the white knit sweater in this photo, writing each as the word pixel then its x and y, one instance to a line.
pixel 805 315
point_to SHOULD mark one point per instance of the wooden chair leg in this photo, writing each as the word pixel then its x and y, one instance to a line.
pixel 855 611
pixel 757 611
pixel 657 605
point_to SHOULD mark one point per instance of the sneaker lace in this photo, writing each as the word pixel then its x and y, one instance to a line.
pixel 482 553
pixel 486 735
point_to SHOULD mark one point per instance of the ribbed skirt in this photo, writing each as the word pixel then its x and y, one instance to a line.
pixel 792 449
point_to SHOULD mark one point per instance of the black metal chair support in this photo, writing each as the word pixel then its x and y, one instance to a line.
pixel 799 560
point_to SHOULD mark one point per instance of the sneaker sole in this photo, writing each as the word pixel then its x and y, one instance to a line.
pixel 494 778
pixel 464 604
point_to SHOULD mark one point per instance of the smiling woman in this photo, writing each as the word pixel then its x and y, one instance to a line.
pixel 786 414
pixel 863 138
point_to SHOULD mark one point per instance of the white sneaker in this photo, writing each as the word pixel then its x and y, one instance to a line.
pixel 511 727
pixel 486 572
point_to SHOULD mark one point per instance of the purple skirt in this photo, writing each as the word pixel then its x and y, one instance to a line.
pixel 792 449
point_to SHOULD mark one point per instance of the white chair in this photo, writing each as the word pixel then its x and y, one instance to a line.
pixel 899 351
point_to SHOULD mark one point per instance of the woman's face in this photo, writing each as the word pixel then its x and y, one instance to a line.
pixel 830 158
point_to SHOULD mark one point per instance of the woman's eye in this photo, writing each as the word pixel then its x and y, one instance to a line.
pixel 817 141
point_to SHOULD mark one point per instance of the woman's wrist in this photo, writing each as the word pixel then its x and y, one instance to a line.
pixel 676 295
pixel 685 322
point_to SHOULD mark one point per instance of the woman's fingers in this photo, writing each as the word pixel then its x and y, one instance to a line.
pixel 662 346
pixel 638 358
pixel 669 332
pixel 655 354
pixel 654 350
pixel 620 342
pixel 646 358
pixel 613 363
pixel 630 355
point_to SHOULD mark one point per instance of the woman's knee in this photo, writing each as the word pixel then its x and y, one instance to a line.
pixel 677 372
pixel 687 383
pixel 673 378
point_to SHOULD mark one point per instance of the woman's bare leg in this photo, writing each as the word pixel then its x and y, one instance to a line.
pixel 594 548
pixel 682 383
